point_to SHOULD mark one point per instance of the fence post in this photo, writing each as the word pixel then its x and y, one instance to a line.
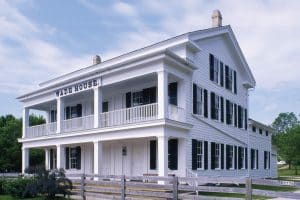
pixel 123 187
pixel 248 189
pixel 175 188
pixel 82 185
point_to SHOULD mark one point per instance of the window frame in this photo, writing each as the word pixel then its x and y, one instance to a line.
pixel 244 158
pixel 73 158
pixel 200 154
pixel 218 150
pixel 232 158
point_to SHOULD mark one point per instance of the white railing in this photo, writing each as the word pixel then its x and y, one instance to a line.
pixel 41 130
pixel 176 113
pixel 129 115
pixel 79 123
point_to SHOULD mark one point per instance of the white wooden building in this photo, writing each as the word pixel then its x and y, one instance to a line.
pixel 179 107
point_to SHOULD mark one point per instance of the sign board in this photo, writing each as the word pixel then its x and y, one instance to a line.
pixel 287 183
pixel 79 87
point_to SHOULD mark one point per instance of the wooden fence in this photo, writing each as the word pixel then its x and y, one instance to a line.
pixel 155 187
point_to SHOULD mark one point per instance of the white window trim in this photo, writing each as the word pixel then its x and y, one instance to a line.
pixel 69 156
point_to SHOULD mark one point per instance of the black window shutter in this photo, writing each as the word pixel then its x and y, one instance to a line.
pixel 79 110
pixel 213 155
pixel 234 82
pixel 222 74
pixel 222 109
pixel 227 112
pixel 222 156
pixel 67 157
pixel 235 115
pixel 246 119
pixel 212 105
pixel 205 104
pixel 173 152
pixel 246 158
pixel 227 156
pixel 78 157
pixel 128 99
pixel 68 116
pixel 239 117
pixel 269 160
pixel 153 153
pixel 194 98
pixel 194 154
pixel 51 158
pixel 105 106
pixel 227 77
pixel 252 158
pixel 205 155
pixel 257 159
pixel 172 91
pixel 240 158
pixel 211 67
pixel 235 157
pixel 265 160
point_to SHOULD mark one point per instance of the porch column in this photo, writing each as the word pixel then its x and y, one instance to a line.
pixel 182 156
pixel 162 94
pixel 162 155
pixel 25 119
pixel 60 114
pixel 98 157
pixel 60 159
pixel 97 106
pixel 25 159
pixel 47 159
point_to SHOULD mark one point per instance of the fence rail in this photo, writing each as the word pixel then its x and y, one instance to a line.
pixel 41 130
pixel 172 187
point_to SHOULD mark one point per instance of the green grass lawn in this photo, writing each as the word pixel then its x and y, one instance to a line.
pixel 288 172
pixel 231 195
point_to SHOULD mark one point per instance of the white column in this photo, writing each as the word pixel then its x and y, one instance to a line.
pixel 25 121
pixel 98 157
pixel 162 94
pixel 60 159
pixel 47 159
pixel 25 159
pixel 182 156
pixel 60 114
pixel 162 155
pixel 97 105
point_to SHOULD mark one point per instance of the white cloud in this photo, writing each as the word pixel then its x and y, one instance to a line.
pixel 124 9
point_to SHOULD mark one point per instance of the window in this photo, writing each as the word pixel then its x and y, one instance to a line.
pixel 137 98
pixel 173 154
pixel 53 116
pixel 241 152
pixel 199 101
pixel 254 129
pixel 267 133
pixel 215 106
pixel 217 156
pixel 73 158
pixel 260 131
pixel 254 159
pixel 172 91
pixel 228 78
pixel 240 117
pixel 153 154
pixel 105 106
pixel 73 111
pixel 229 112
pixel 200 155
pixel 266 160
pixel 214 69
pixel 230 157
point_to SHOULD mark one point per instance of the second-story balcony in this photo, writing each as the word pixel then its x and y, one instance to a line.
pixel 107 119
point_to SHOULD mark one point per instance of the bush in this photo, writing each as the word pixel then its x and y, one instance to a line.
pixel 2 183
pixel 18 187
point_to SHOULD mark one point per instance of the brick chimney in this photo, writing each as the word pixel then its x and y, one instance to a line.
pixel 216 19
pixel 96 60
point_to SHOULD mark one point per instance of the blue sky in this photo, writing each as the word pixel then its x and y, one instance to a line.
pixel 42 39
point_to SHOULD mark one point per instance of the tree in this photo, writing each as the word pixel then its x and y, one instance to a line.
pixel 10 148
pixel 284 122
pixel 289 146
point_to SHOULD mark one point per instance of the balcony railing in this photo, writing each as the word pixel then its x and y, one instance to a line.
pixel 77 124
pixel 41 130
pixel 129 115
pixel 108 119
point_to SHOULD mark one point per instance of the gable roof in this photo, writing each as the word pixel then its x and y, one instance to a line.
pixel 186 38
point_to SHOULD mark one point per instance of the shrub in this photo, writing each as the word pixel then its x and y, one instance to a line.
pixel 18 187
pixel 2 183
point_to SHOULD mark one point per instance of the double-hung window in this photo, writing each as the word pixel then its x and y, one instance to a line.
pixel 217 156
pixel 241 157
pixel 216 70
pixel 73 157
pixel 230 159
pixel 200 155
pixel 229 112
pixel 199 101
pixel 137 98
pixel 215 106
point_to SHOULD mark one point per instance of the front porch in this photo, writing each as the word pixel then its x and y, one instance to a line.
pixel 131 157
